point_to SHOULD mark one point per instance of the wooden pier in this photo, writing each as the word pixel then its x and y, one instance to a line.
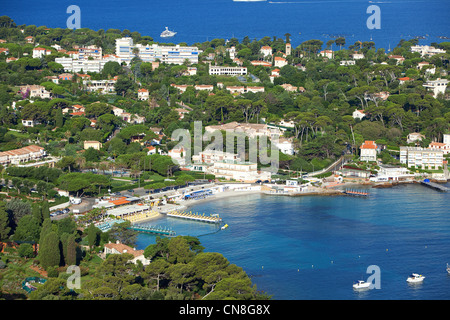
pixel 154 230
pixel 434 185
pixel 358 193
pixel 195 217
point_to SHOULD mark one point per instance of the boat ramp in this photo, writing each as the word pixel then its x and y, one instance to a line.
pixel 434 185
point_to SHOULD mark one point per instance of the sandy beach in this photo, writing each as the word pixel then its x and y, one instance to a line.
pixel 220 195
pixel 144 217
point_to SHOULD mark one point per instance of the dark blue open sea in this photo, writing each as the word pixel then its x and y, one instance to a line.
pixel 203 20
pixel 316 247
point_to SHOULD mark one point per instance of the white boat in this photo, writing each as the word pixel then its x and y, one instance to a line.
pixel 415 278
pixel 167 33
pixel 361 285
pixel 448 268
pixel 224 226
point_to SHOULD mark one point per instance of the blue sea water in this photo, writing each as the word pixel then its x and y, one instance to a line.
pixel 203 20
pixel 316 247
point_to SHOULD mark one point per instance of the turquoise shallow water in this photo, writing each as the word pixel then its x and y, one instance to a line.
pixel 316 247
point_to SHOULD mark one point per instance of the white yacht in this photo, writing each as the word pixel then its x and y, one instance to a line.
pixel 415 278
pixel 167 33
pixel 361 285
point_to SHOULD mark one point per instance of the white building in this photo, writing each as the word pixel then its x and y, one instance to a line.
pixel 85 65
pixel 35 91
pixel 414 136
pixel 167 54
pixel 286 146
pixel 40 52
pixel 326 53
pixel 420 157
pixel 347 63
pixel 279 62
pixel 239 171
pixel 25 154
pixel 100 86
pixel 178 156
pixel 440 146
pixel 426 50
pixel 357 55
pixel 227 71
pixel 143 94
pixel 211 156
pixel 368 151
pixel 438 86
pixel 446 139
pixel 90 51
pixel 251 130
pixel 120 248
pixel 266 51
pixel 232 52
pixel 358 114
pixel 29 123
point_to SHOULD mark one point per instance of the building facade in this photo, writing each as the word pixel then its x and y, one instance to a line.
pixel 421 157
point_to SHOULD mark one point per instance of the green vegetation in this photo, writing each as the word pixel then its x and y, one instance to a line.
pixel 323 129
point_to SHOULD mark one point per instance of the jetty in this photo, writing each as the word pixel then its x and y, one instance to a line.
pixel 154 230
pixel 195 216
pixel 358 193
pixel 434 185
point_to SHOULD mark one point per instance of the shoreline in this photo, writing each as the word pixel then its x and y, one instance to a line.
pixel 318 191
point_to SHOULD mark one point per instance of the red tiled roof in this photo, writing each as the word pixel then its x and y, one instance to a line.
pixel 368 145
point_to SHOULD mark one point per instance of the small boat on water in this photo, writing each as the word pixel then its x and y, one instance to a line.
pixel 167 33
pixel 448 268
pixel 361 285
pixel 224 226
pixel 415 278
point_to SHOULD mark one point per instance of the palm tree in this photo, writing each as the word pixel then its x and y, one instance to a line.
pixel 287 35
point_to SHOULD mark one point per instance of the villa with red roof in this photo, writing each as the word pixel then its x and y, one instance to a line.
pixel 120 248
pixel 368 151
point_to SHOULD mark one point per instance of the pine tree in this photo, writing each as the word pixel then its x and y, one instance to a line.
pixel 45 210
pixel 49 251
pixel 71 256
pixel 4 222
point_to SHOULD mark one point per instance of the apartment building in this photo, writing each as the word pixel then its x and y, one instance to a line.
pixel 239 171
pixel 211 156
pixel 227 71
pixel 90 51
pixel 421 157
pixel 22 155
pixel 167 54
pixel 81 65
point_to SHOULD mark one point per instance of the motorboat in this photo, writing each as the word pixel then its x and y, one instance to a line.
pixel 167 33
pixel 361 285
pixel 415 278
pixel 448 268
pixel 224 226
